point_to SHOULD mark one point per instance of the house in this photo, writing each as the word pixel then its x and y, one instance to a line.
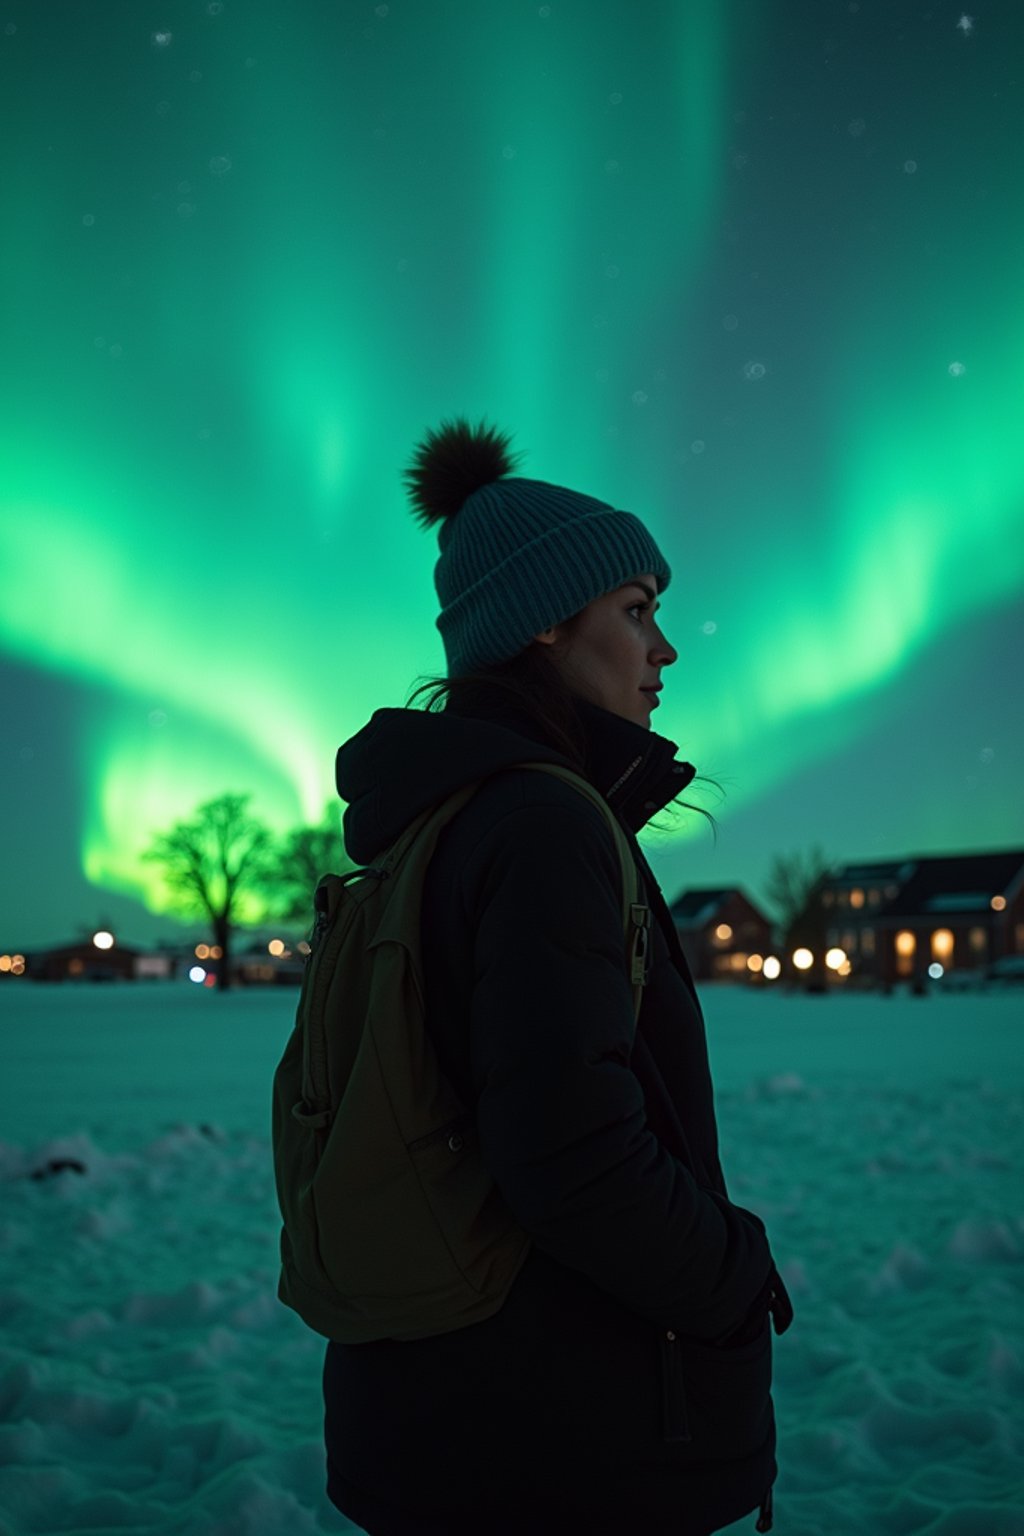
pixel 721 931
pixel 903 920
pixel 83 961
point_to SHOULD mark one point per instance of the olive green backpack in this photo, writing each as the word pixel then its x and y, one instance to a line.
pixel 393 1227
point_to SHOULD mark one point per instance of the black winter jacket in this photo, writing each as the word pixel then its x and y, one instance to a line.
pixel 626 1377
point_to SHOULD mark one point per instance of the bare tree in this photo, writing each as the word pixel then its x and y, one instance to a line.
pixel 792 888
pixel 302 856
pixel 211 862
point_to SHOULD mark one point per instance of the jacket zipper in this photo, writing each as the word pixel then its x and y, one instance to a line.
pixel 623 777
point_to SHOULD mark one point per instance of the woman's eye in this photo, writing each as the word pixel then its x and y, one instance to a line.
pixel 643 607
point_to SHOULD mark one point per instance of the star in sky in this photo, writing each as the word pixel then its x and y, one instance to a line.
pixel 966 25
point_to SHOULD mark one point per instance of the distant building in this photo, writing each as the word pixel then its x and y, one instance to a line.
pixel 259 965
pixel 82 961
pixel 720 930
pixel 897 918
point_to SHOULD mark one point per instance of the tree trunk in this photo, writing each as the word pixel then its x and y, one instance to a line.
pixel 222 937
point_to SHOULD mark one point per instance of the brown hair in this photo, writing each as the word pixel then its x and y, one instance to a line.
pixel 531 684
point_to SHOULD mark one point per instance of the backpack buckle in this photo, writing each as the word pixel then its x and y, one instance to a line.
pixel 640 917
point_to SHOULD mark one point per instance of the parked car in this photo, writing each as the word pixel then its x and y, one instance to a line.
pixel 1006 971
pixel 962 980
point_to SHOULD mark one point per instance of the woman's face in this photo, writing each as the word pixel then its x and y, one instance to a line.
pixel 615 650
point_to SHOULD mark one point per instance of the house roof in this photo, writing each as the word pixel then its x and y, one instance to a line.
pixel 947 884
pixel 699 906
pixel 84 949
pixel 965 883
pixel 695 908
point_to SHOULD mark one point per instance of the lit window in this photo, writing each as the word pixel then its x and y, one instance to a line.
pixel 978 940
pixel 906 944
pixel 942 945
pixel 723 933
pixel 856 898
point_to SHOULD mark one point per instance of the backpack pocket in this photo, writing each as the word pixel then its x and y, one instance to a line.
pixel 485 1243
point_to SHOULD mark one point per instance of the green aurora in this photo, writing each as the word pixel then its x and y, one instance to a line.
pixel 749 271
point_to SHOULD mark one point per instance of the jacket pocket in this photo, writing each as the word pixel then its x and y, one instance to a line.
pixel 675 1425
pixel 727 1395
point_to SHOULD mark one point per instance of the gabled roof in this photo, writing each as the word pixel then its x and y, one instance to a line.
pixel 699 906
pixel 696 908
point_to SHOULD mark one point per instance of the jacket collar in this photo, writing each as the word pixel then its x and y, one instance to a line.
pixel 636 770
pixel 406 760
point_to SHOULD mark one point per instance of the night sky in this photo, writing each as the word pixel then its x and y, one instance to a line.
pixel 752 271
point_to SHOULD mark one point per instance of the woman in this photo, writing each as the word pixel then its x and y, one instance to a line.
pixel 623 1385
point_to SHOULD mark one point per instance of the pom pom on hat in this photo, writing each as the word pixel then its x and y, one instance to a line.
pixel 521 555
pixel 453 462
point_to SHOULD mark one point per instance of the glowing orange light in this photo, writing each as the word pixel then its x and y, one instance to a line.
pixel 942 944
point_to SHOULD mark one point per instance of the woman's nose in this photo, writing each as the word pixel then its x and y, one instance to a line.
pixel 668 651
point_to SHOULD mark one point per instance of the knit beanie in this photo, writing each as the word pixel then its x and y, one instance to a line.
pixel 517 556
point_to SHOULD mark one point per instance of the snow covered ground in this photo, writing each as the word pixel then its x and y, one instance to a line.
pixel 150 1381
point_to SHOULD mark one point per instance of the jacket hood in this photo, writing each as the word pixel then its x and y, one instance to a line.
pixel 405 761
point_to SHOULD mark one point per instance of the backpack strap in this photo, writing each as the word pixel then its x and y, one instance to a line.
pixel 636 912
pixel 429 824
